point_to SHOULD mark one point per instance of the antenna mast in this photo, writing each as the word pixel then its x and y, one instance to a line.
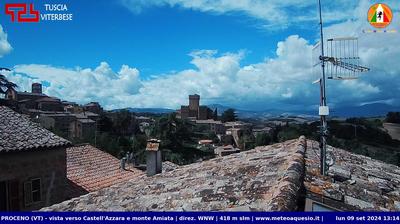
pixel 341 62
pixel 323 109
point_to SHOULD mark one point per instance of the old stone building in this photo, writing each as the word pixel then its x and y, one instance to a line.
pixel 39 168
pixel 225 150
pixel 194 111
pixel 34 99
pixel 49 104
pixel 59 122
pixel 33 170
pixel 65 118
pixel 217 127
pixel 93 107
pixel 70 125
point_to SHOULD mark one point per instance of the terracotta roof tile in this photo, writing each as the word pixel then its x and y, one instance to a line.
pixel 93 169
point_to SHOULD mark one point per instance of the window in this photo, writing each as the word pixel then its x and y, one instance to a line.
pixel 32 190
pixel 316 207
pixel 312 205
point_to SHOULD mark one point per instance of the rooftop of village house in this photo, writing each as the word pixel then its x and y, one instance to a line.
pixel 268 178
pixel 18 133
pixel 263 179
pixel 358 182
pixel 90 169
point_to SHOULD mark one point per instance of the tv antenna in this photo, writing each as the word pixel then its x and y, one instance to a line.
pixel 338 61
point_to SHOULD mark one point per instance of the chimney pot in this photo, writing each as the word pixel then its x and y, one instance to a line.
pixel 153 157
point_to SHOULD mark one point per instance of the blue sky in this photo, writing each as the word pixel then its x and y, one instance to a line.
pixel 104 30
pixel 248 54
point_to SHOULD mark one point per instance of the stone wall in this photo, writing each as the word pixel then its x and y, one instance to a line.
pixel 48 165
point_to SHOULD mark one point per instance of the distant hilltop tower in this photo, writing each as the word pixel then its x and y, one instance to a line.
pixel 37 88
pixel 194 111
pixel 194 102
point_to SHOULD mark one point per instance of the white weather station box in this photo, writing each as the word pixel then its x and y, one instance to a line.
pixel 323 111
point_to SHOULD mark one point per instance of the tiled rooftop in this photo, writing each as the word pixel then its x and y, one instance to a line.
pixel 93 169
pixel 169 166
pixel 85 114
pixel 18 133
pixel 209 121
pixel 31 94
pixel 48 99
pixel 355 182
pixel 85 120
pixel 268 178
pixel 263 179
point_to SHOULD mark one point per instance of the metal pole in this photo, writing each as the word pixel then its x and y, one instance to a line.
pixel 323 102
pixel 95 134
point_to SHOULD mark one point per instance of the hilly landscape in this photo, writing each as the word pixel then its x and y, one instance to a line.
pixel 367 110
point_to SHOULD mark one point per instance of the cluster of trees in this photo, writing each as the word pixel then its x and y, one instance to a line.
pixel 358 135
pixel 263 139
pixel 119 133
pixel 178 141
pixel 229 115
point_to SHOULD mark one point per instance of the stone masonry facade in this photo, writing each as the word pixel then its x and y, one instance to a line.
pixel 48 165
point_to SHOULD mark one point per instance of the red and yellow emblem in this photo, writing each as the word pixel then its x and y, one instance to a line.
pixel 380 15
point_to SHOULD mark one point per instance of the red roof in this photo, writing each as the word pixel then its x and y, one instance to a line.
pixel 92 169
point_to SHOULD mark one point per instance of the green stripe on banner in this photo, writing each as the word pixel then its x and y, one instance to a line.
pixel 373 20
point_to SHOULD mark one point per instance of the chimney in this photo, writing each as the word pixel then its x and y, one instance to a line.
pixel 37 88
pixel 153 157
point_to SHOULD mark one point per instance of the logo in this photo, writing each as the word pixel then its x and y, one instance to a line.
pixel 21 10
pixel 25 12
pixel 380 15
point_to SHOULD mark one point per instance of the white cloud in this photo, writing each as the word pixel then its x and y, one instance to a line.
pixel 378 51
pixel 82 85
pixel 283 80
pixel 217 78
pixel 5 46
pixel 272 13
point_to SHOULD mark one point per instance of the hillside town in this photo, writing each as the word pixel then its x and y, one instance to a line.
pixel 78 122
pixel 239 165
pixel 71 119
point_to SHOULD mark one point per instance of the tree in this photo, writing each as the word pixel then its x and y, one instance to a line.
pixel 177 142
pixel 247 141
pixel 262 139
pixel 229 115
pixel 104 124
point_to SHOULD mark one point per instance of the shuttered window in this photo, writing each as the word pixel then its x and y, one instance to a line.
pixel 32 191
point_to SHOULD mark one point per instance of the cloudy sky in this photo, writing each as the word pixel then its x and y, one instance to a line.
pixel 249 54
